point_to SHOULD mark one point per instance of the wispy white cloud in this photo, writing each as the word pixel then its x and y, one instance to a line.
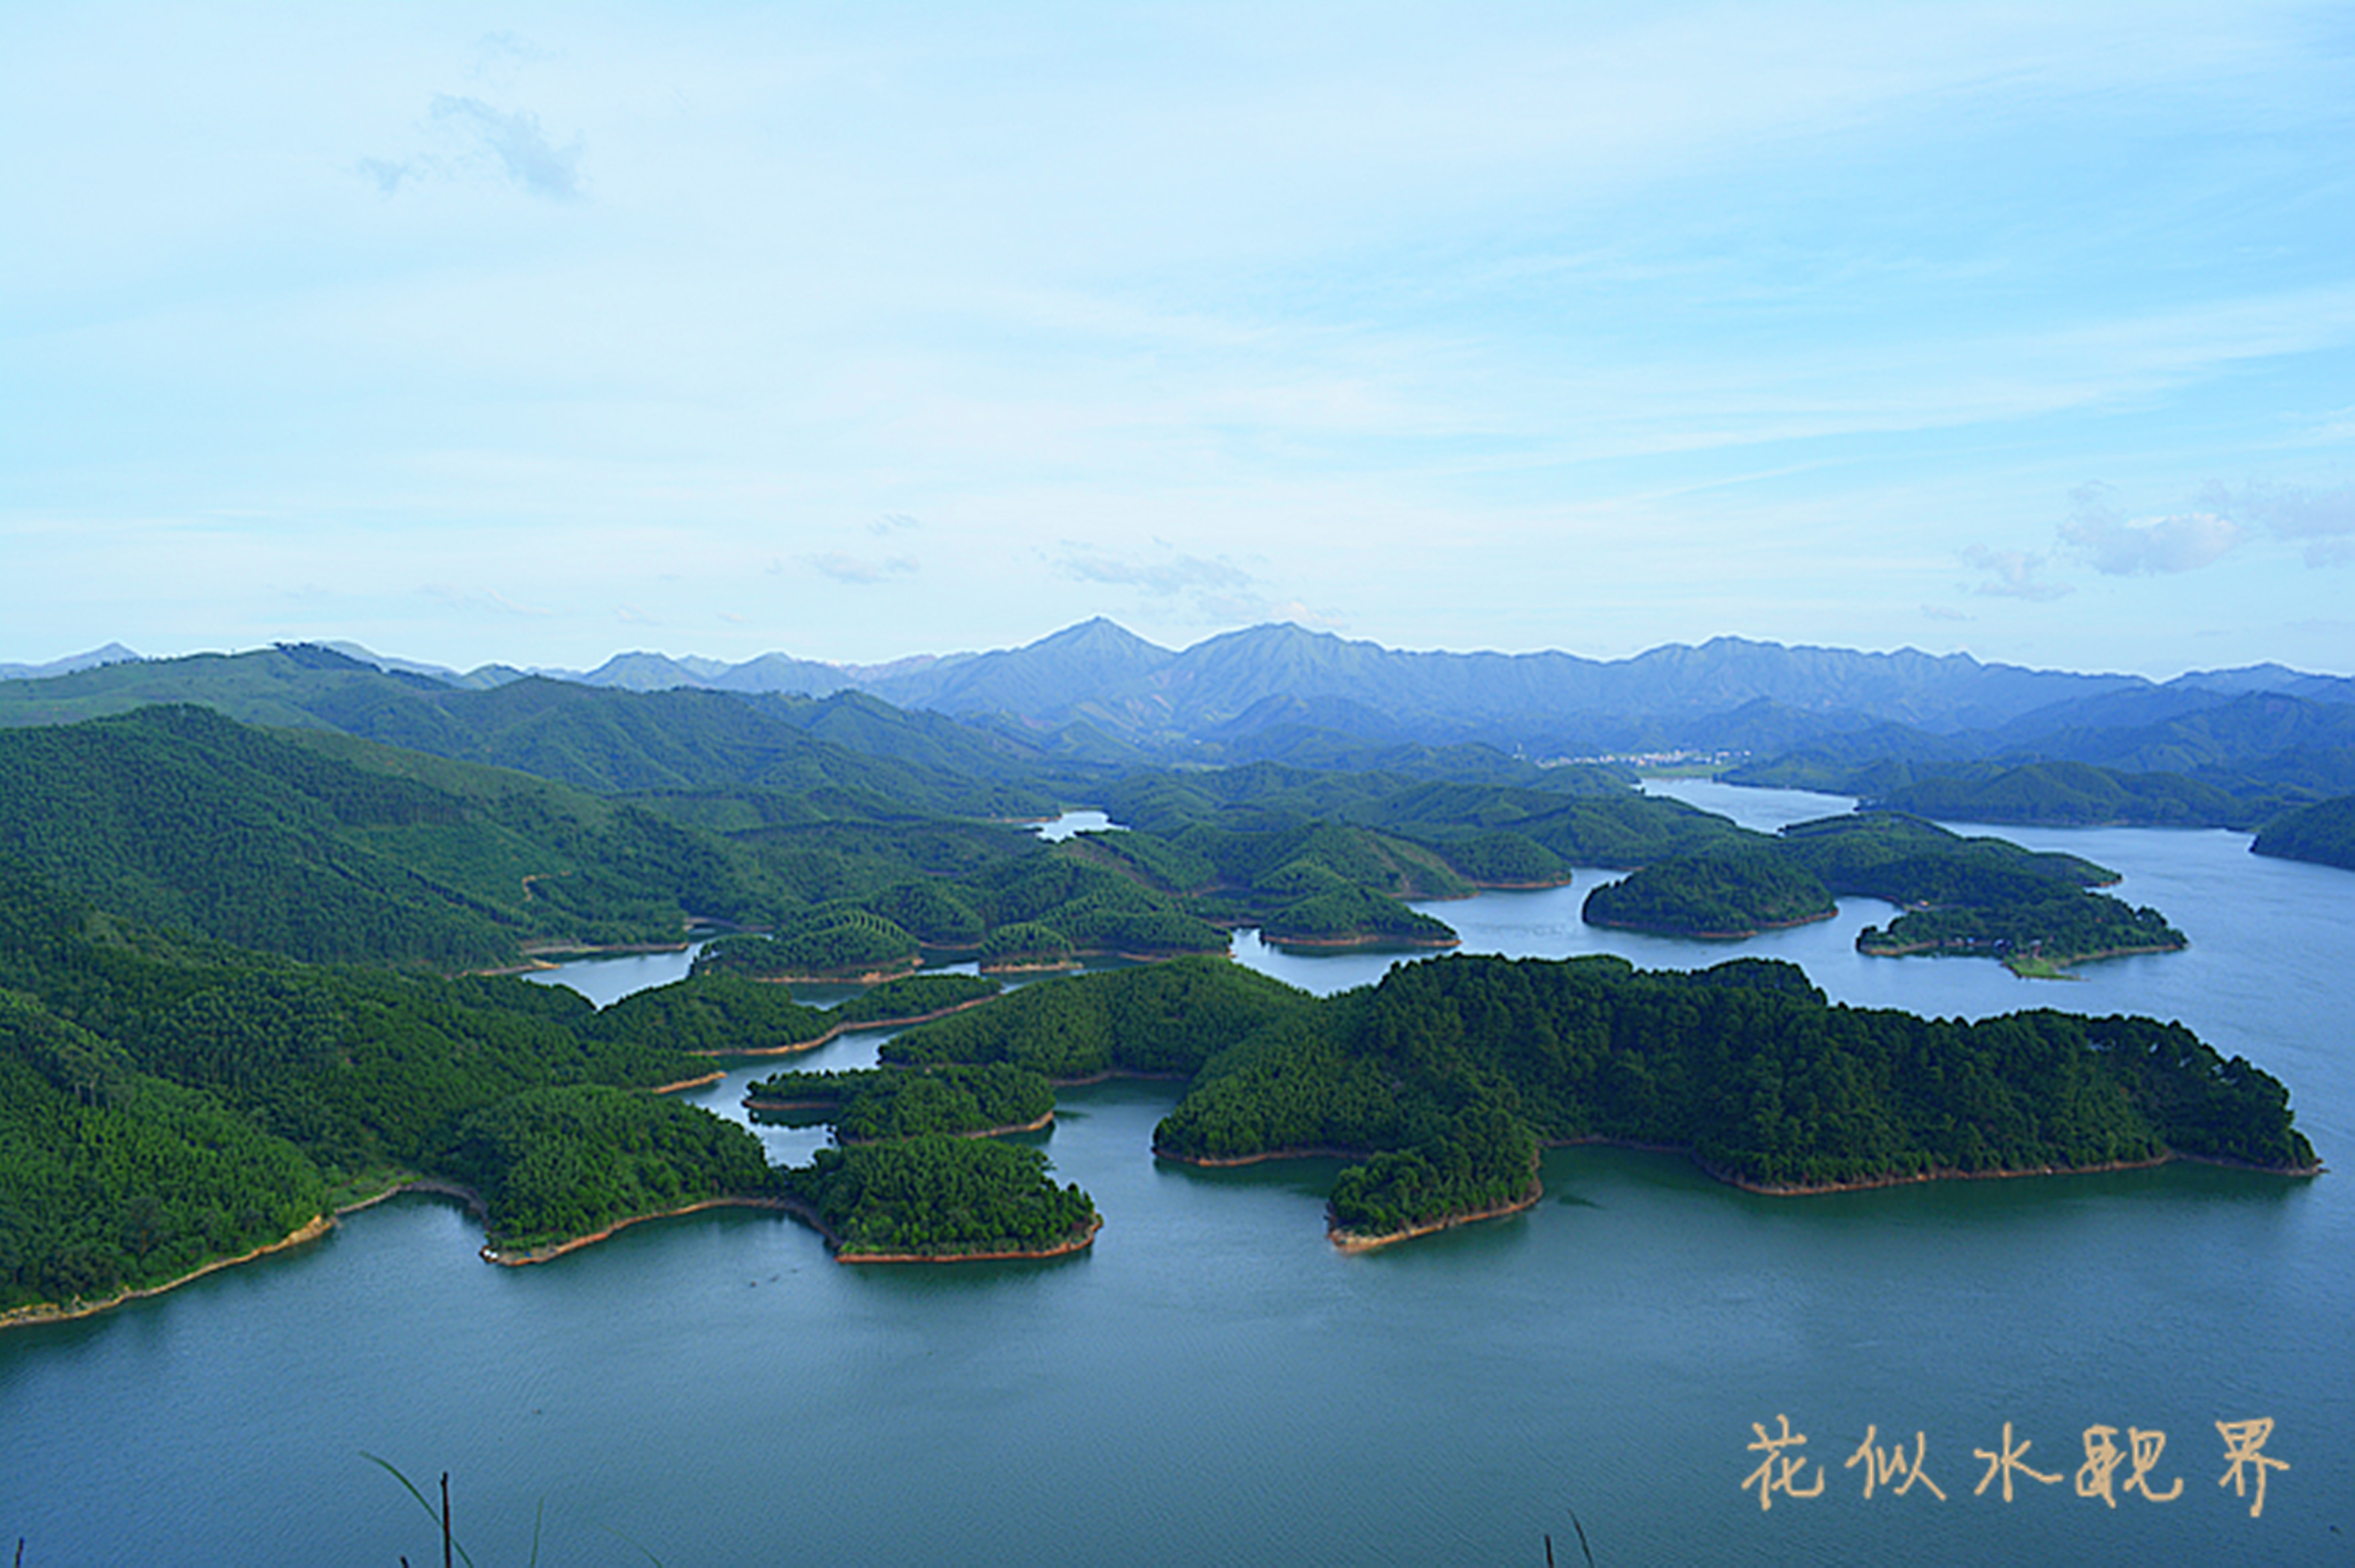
pixel 515 140
pixel 845 569
pixel 1174 574
pixel 1350 314
pixel 502 52
pixel 2123 547
pixel 2013 574
pixel 2323 520
pixel 388 175
pixel 482 137
pixel 473 601
pixel 1210 590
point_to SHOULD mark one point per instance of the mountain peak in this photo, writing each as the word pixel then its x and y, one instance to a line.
pixel 1096 635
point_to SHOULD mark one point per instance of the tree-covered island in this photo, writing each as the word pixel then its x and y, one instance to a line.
pixel 940 1199
pixel 1970 896
pixel 880 1105
pixel 1444 1078
pixel 1723 894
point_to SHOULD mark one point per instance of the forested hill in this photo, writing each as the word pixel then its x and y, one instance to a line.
pixel 2323 833
pixel 1447 1074
pixel 606 741
pixel 165 1101
pixel 322 847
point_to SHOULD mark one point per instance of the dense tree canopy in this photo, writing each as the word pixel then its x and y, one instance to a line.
pixel 941 1197
pixel 1446 1072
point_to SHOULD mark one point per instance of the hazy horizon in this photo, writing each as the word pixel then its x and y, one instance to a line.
pixel 398 657
pixel 525 335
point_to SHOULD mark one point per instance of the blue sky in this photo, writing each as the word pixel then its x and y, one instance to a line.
pixel 531 333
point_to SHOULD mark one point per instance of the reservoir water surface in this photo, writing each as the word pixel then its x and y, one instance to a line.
pixel 1214 1384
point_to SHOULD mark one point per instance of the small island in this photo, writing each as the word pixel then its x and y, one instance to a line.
pixel 1720 896
pixel 2036 937
pixel 878 1105
pixel 1982 897
pixel 938 1200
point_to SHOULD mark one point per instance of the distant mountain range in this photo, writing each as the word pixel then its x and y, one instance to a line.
pixel 1014 732
pixel 1095 693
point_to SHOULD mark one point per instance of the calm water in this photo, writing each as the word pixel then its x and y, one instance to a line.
pixel 1213 1384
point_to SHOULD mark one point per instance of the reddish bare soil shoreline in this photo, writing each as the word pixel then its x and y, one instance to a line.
pixel 1711 935
pixel 1040 1125
pixel 1350 1243
pixel 1077 1244
pixel 1228 1162
pixel 839 1030
pixel 1344 944
pixel 523 1257
pixel 519 1257
pixel 66 1311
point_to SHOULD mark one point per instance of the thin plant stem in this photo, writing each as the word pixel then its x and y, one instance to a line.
pixel 409 1487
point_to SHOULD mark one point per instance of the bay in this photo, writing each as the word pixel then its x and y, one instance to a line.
pixel 1213 1383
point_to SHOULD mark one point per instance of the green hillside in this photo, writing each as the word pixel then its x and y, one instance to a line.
pixel 1446 1075
pixel 2323 833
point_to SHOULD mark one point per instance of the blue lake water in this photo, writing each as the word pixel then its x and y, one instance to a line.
pixel 1214 1384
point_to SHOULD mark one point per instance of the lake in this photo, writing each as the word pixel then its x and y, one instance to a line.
pixel 1213 1383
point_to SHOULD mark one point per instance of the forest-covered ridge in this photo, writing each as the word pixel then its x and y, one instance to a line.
pixel 1447 1073
pixel 167 1101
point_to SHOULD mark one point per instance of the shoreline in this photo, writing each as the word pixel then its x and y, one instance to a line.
pixel 1089 1080
pixel 838 977
pixel 1720 1175
pixel 2038 963
pixel 1742 936
pixel 1936 1173
pixel 1233 1161
pixel 1346 944
pixel 773 1107
pixel 2039 967
pixel 838 1031
pixel 546 1252
pixel 808 1216
pixel 1347 1242
pixel 713 1076
pixel 537 960
pixel 311 1230
pixel 1080 1243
